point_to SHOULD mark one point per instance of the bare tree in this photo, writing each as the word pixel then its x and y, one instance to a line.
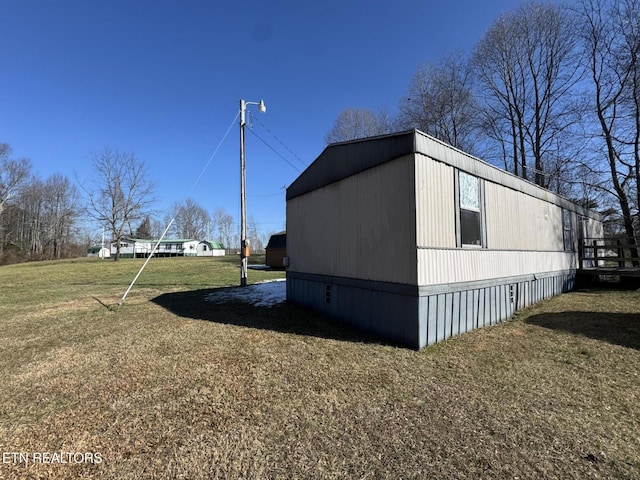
pixel 223 224
pixel 354 123
pixel 157 228
pixel 440 102
pixel 190 220
pixel 527 69
pixel 13 173
pixel 119 193
pixel 630 10
pixel 502 113
pixel 41 219
pixel 610 34
pixel 60 214
pixel 253 235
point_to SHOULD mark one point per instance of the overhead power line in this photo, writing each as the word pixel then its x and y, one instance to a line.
pixel 274 150
pixel 213 155
pixel 302 162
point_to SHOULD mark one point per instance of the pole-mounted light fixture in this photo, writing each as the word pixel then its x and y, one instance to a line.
pixel 244 246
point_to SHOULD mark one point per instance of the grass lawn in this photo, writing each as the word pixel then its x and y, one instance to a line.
pixel 171 386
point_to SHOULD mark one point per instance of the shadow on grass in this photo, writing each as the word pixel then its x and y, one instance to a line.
pixel 616 328
pixel 284 317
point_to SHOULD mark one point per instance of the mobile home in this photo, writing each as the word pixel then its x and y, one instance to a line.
pixel 141 248
pixel 416 241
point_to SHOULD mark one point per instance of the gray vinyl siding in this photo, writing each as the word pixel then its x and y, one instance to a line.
pixel 435 203
pixel 360 227
pixel 516 221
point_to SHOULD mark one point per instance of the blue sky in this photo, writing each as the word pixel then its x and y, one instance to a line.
pixel 163 80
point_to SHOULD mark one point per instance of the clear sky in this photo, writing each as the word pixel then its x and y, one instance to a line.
pixel 163 79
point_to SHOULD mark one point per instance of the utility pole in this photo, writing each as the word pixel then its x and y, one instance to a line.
pixel 244 247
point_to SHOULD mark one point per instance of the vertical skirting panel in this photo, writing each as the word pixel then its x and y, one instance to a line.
pixel 429 304
pixel 392 316
pixel 441 317
pixel 448 314
pixel 419 320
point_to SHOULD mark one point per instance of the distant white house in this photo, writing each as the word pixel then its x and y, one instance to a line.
pixel 141 248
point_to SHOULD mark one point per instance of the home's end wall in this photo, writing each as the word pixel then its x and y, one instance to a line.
pixel 360 227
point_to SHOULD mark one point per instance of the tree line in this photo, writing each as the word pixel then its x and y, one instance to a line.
pixel 38 217
pixel 550 93
pixel 45 219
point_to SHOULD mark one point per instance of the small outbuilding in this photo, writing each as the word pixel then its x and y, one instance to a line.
pixel 276 250
pixel 210 249
pixel 416 241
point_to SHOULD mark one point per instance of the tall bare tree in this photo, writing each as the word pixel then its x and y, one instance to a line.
pixel 354 123
pixel 41 219
pixel 119 192
pixel 440 102
pixel 190 220
pixel 253 235
pixel 13 173
pixel 527 68
pixel 223 224
pixel 611 40
pixel 630 10
pixel 60 212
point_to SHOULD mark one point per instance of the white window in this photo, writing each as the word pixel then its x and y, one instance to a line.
pixel 470 210
pixel 567 231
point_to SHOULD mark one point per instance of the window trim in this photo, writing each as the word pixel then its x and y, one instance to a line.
pixel 567 232
pixel 459 208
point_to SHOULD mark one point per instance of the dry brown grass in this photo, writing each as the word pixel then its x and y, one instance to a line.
pixel 170 386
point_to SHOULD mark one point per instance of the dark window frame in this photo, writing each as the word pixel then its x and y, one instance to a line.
pixel 466 215
pixel 567 231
